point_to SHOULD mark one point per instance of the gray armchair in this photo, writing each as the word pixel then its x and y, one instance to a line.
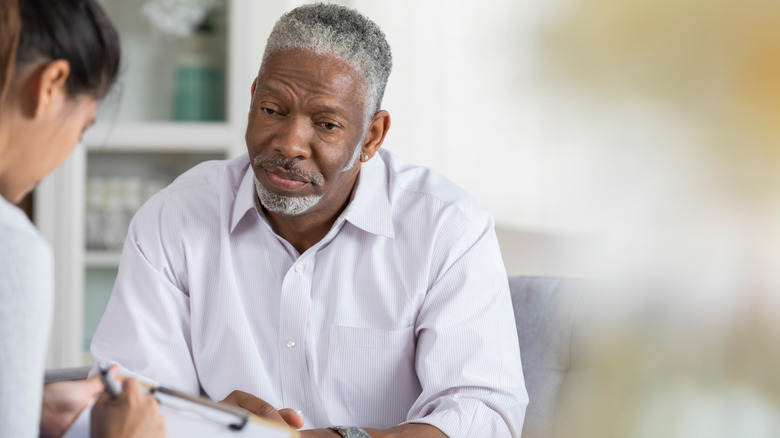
pixel 544 310
pixel 545 316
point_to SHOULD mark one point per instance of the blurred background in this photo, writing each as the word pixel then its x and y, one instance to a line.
pixel 632 142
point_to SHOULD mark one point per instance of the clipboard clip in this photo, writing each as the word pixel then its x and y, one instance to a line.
pixel 232 418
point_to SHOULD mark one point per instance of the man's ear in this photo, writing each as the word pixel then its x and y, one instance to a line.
pixel 375 135
pixel 254 86
pixel 49 86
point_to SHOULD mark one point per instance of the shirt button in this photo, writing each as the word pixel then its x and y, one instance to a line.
pixel 299 268
pixel 290 342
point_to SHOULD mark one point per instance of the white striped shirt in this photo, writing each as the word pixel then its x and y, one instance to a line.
pixel 401 313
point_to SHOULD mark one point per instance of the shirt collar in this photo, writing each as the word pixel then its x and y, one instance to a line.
pixel 368 210
pixel 244 202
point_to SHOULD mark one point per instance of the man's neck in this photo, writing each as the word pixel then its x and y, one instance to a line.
pixel 304 231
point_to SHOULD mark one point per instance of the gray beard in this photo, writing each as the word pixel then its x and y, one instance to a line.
pixel 296 205
pixel 284 205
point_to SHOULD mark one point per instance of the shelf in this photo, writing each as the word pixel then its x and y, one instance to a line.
pixel 102 259
pixel 160 137
pixel 136 147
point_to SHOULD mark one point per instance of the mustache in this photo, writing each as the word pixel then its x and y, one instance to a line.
pixel 290 167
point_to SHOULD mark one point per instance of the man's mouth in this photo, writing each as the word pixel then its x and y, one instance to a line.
pixel 286 175
pixel 285 179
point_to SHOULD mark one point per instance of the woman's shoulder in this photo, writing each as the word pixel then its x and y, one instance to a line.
pixel 23 251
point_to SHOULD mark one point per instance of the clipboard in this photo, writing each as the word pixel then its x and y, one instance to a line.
pixel 197 417
pixel 228 416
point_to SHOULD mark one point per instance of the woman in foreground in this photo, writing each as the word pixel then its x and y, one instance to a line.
pixel 58 58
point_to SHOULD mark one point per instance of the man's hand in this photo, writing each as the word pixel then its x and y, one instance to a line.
pixel 290 418
pixel 262 409
pixel 62 403
pixel 133 414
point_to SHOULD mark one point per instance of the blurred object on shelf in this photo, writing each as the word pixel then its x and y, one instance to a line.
pixel 198 93
pixel 118 183
pixel 111 204
pixel 180 18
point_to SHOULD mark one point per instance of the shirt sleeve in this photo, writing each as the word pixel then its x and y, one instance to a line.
pixel 26 295
pixel 146 325
pixel 468 358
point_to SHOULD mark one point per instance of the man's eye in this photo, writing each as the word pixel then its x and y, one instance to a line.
pixel 268 111
pixel 329 126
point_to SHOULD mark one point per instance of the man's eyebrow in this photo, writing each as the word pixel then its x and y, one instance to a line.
pixel 320 108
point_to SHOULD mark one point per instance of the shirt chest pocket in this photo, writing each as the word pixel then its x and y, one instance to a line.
pixel 371 380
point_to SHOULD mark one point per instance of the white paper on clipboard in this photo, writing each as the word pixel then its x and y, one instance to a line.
pixel 180 423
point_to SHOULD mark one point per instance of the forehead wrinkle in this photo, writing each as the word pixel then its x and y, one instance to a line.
pixel 313 94
pixel 310 100
pixel 264 87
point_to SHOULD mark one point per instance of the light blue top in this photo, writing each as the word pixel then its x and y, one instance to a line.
pixel 26 299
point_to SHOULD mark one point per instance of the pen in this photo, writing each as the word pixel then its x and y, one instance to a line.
pixel 113 387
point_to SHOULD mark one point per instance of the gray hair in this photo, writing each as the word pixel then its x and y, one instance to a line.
pixel 340 32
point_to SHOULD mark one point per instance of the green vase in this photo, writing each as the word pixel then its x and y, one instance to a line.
pixel 198 82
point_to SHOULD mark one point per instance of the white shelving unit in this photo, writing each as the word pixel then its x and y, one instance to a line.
pixel 161 137
pixel 135 137
pixel 101 259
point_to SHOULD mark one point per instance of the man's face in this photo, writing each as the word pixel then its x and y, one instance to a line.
pixel 306 121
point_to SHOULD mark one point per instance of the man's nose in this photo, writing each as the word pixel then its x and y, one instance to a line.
pixel 295 137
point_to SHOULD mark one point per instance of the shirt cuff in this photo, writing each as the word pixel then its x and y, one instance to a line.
pixel 468 418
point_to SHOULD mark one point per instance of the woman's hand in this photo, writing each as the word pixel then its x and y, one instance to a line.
pixel 62 403
pixel 132 414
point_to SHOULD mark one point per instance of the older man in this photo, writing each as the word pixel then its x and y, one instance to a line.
pixel 319 273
